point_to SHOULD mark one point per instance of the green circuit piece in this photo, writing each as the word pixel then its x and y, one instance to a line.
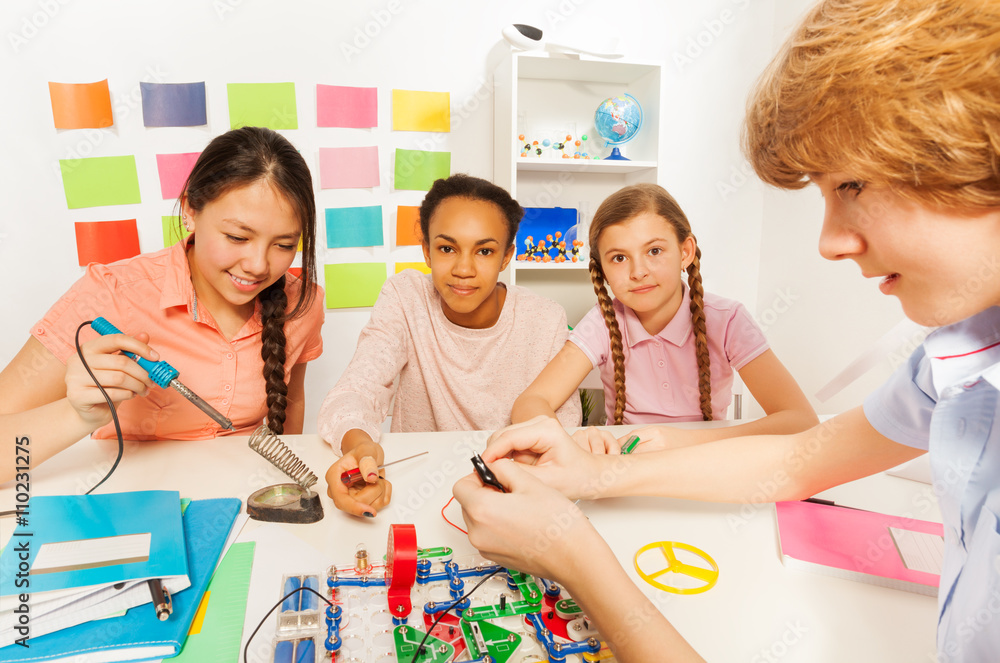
pixel 430 553
pixel 485 638
pixel 407 640
pixel 524 582
pixel 568 609
pixel 512 608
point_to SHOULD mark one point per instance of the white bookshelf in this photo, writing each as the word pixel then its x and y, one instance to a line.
pixel 544 92
pixel 541 93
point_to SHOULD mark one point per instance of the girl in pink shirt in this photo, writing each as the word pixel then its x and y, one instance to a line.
pixel 449 350
pixel 678 367
pixel 219 307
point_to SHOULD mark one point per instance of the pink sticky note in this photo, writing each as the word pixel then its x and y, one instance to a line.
pixel 348 167
pixel 174 170
pixel 339 106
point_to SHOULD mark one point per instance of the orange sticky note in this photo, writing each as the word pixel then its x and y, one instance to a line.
pixel 81 105
pixel 106 241
pixel 407 225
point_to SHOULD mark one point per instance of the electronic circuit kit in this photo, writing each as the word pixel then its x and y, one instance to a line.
pixel 423 605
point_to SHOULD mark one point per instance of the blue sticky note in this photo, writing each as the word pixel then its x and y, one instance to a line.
pixel 173 104
pixel 354 226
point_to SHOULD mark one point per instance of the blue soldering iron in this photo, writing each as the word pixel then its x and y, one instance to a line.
pixel 165 375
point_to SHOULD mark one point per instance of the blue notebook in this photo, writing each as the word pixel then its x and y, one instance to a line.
pixel 87 541
pixel 138 635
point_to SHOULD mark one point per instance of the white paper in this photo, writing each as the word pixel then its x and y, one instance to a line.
pixel 919 551
pixel 92 553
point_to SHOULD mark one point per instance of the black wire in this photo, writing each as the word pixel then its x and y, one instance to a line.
pixel 114 415
pixel 446 611
pixel 282 600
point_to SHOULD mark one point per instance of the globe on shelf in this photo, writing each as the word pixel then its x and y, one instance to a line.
pixel 617 121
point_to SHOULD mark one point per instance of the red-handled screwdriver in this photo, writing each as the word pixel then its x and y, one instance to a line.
pixel 352 478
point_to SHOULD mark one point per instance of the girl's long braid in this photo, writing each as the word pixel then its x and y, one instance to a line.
pixel 273 302
pixel 700 334
pixel 617 351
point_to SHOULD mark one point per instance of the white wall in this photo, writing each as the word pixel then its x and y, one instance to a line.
pixel 712 52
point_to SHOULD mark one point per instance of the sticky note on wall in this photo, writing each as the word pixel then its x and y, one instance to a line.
pixel 416 170
pixel 81 105
pixel 173 230
pixel 350 285
pixel 413 110
pixel 407 225
pixel 174 170
pixel 173 104
pixel 100 181
pixel 106 241
pixel 341 106
pixel 269 105
pixel 419 266
pixel 348 167
pixel 354 226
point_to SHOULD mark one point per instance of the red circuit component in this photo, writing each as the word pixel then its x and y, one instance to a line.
pixel 401 568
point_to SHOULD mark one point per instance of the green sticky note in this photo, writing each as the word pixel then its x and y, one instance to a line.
pixel 416 170
pixel 173 231
pixel 350 285
pixel 100 181
pixel 217 629
pixel 269 105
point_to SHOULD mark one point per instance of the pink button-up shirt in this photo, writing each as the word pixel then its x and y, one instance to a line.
pixel 153 293
pixel 661 371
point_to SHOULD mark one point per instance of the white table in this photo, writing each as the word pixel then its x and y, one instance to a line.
pixel 759 610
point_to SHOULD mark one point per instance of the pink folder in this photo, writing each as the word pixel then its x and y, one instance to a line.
pixel 851 543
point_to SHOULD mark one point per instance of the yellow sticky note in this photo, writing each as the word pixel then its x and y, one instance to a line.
pixel 419 266
pixel 413 110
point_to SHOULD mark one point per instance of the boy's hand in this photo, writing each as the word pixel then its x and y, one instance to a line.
pixel 551 455
pixel 532 527
pixel 597 441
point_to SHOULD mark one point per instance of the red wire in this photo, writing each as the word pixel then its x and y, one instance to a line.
pixel 446 517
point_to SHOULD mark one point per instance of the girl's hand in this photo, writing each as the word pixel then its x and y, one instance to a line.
pixel 551 455
pixel 121 377
pixel 366 499
pixel 597 441
pixel 532 527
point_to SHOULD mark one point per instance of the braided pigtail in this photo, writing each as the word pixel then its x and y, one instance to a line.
pixel 273 302
pixel 700 334
pixel 617 352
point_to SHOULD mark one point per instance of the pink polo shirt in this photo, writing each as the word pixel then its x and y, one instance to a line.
pixel 153 293
pixel 661 372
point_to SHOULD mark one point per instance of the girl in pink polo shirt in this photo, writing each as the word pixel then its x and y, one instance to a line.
pixel 676 347
pixel 220 307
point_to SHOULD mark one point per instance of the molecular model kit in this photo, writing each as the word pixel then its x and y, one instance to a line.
pixel 404 609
